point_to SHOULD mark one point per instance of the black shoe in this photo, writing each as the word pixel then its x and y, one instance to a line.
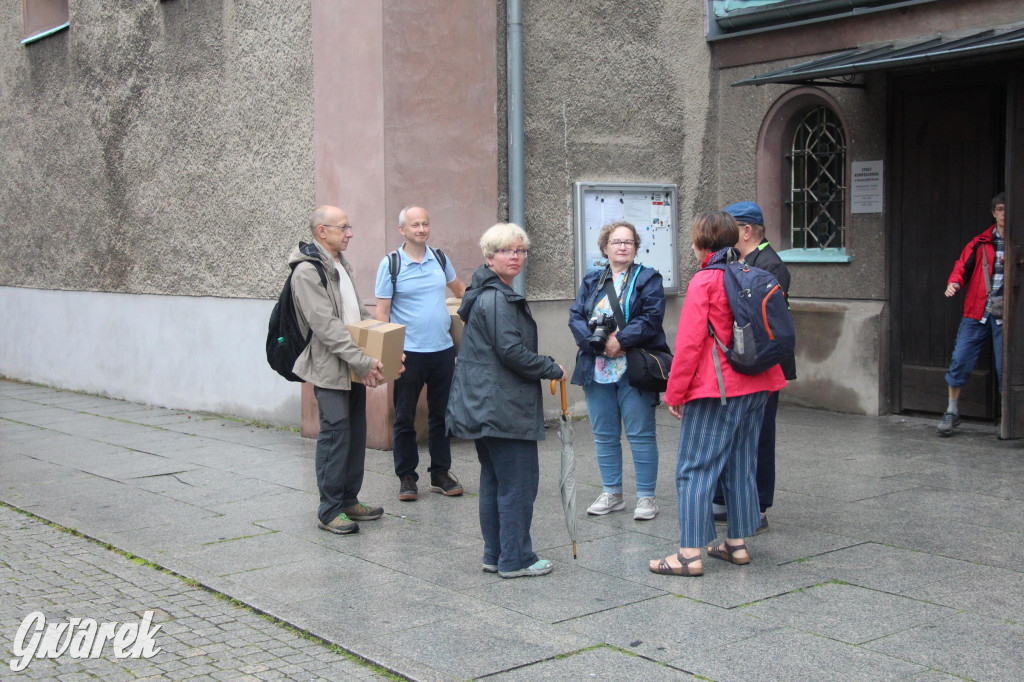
pixel 408 491
pixel 445 484
pixel 949 421
pixel 720 517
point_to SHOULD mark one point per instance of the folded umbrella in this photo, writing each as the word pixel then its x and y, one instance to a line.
pixel 567 479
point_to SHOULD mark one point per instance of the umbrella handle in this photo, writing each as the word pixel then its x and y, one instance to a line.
pixel 565 404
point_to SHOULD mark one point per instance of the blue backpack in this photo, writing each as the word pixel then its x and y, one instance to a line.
pixel 763 333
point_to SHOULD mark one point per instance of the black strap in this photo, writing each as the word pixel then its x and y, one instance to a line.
pixel 613 301
pixel 395 265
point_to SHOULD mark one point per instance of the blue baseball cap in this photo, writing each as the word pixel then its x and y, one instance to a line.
pixel 746 212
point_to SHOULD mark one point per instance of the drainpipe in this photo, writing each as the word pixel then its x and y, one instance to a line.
pixel 514 74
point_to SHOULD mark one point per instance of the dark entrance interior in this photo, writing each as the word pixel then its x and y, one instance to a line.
pixel 948 149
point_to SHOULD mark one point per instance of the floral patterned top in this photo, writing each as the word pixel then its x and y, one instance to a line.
pixel 609 370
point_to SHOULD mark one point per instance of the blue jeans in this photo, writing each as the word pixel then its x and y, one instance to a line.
pixel 509 476
pixel 610 407
pixel 435 370
pixel 970 340
pixel 718 441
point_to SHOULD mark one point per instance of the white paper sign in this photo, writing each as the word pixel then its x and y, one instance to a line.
pixel 866 187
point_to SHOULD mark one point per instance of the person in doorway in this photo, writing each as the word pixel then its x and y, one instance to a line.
pixel 496 401
pixel 325 363
pixel 601 366
pixel 410 290
pixel 757 252
pixel 980 270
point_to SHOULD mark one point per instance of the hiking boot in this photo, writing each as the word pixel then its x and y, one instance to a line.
pixel 361 512
pixel 949 421
pixel 446 484
pixel 340 524
pixel 408 491
pixel 646 509
pixel 605 503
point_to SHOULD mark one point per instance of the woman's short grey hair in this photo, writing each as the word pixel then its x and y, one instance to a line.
pixel 502 236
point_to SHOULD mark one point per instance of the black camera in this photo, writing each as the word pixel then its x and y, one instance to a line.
pixel 601 325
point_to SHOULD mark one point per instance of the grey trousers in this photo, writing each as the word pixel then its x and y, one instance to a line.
pixel 340 448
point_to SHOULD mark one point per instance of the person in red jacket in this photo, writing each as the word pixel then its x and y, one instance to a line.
pixel 715 438
pixel 980 270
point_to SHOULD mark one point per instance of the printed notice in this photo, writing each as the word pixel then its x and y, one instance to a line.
pixel 866 187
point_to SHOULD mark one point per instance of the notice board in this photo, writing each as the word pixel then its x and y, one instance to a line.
pixel 651 208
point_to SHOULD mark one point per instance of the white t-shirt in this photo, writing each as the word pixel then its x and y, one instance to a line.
pixel 349 302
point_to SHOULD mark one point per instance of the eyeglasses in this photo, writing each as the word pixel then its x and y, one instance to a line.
pixel 622 242
pixel 513 252
pixel 340 227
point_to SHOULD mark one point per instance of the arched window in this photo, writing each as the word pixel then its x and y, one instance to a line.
pixel 817 196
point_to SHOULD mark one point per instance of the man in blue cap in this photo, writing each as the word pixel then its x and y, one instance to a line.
pixel 757 252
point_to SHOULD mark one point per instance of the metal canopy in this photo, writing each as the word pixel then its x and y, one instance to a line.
pixel 838 70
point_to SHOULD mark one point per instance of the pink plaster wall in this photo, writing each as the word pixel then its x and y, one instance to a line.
pixel 405 107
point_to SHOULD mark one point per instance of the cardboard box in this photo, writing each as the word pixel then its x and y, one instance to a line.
pixel 381 340
pixel 457 325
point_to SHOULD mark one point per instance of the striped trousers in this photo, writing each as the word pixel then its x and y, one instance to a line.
pixel 718 441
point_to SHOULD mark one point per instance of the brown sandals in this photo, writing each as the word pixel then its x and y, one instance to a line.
pixel 664 568
pixel 727 552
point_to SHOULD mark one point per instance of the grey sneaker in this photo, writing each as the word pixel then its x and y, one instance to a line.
pixel 361 512
pixel 490 568
pixel 605 503
pixel 949 421
pixel 542 567
pixel 646 509
pixel 340 524
pixel 763 528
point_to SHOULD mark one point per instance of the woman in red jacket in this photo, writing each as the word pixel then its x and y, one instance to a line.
pixel 714 438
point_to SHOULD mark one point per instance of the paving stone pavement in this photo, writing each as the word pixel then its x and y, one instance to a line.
pixel 201 635
pixel 892 554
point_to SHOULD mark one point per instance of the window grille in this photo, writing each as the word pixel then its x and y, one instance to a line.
pixel 817 205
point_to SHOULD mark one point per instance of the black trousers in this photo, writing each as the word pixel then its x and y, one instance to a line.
pixel 340 448
pixel 435 370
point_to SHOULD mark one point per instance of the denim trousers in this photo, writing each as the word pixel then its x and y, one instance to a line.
pixel 435 370
pixel 612 406
pixel 971 338
pixel 718 441
pixel 765 473
pixel 340 448
pixel 509 476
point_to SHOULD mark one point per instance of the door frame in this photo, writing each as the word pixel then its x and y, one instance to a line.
pixel 998 73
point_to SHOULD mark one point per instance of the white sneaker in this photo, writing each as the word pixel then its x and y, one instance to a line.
pixel 646 509
pixel 606 502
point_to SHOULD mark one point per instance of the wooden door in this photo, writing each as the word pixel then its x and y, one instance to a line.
pixel 948 142
pixel 1013 323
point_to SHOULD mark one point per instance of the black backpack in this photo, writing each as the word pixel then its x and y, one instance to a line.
pixel 395 265
pixel 285 341
pixel 763 333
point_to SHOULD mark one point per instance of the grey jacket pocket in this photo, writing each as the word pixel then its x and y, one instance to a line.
pixel 333 405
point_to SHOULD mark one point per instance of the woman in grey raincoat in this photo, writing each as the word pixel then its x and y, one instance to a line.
pixel 496 401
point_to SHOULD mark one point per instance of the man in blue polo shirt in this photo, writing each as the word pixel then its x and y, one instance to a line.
pixel 415 297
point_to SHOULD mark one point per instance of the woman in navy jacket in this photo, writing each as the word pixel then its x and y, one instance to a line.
pixel 611 401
